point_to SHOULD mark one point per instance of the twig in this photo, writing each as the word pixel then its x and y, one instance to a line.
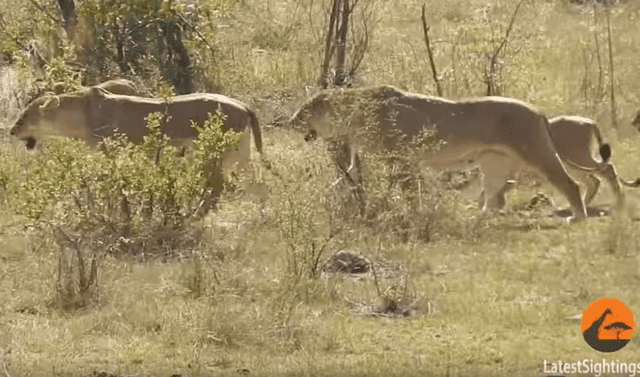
pixel 6 372
pixel 509 28
pixel 144 24
pixel 359 49
pixel 425 29
pixel 202 38
pixel 494 56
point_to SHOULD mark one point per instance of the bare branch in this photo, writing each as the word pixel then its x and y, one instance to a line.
pixel 328 49
pixel 144 24
pixel 341 53
pixel 492 89
pixel 346 40
pixel 202 38
pixel 509 28
pixel 360 48
pixel 425 29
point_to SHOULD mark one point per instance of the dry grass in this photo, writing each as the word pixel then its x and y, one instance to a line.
pixel 479 296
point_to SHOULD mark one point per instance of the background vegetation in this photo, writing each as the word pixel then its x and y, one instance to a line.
pixel 97 276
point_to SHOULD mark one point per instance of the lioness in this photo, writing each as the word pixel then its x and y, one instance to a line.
pixel 572 137
pixel 385 118
pixel 94 113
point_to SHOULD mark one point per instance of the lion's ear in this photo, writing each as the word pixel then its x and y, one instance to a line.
pixel 52 103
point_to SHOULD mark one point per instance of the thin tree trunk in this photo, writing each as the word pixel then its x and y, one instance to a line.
pixel 328 48
pixel 68 9
pixel 614 118
pixel 118 35
pixel 425 29
pixel 595 36
pixel 341 54
pixel 180 64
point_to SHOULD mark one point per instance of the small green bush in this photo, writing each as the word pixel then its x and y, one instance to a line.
pixel 298 211
pixel 122 190
pixel 122 199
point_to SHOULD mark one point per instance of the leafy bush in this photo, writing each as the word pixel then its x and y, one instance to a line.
pixel 387 191
pixel 124 198
pixel 123 189
pixel 410 203
pixel 298 211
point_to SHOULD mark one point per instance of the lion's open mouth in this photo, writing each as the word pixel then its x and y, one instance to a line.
pixel 30 142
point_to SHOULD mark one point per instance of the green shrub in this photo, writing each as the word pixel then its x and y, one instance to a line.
pixel 122 199
pixel 123 188
pixel 298 211
pixel 9 169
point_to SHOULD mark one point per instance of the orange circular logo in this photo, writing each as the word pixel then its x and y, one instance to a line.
pixel 608 325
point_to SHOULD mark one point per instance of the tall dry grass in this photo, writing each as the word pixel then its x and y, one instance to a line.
pixel 246 292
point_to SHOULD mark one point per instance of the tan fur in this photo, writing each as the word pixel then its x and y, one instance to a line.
pixel 463 132
pixel 120 86
pixel 115 86
pixel 572 137
pixel 95 113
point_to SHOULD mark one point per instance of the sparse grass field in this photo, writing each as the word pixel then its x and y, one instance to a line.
pixel 451 294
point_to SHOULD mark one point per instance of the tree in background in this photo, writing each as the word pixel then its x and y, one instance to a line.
pixel 348 53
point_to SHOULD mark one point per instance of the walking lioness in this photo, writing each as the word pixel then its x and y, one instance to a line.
pixel 92 114
pixel 461 133
pixel 572 137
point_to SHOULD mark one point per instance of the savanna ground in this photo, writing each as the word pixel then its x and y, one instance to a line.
pixel 242 292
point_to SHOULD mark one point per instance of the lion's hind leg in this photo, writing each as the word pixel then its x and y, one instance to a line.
pixel 498 170
pixel 550 165
pixel 593 184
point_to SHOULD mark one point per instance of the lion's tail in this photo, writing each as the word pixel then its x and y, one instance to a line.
pixel 605 153
pixel 255 127
pixel 603 148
